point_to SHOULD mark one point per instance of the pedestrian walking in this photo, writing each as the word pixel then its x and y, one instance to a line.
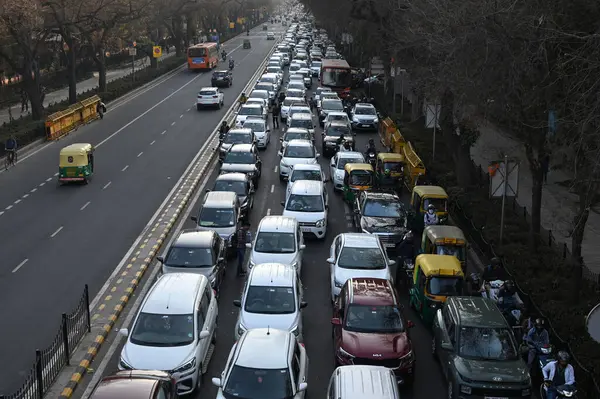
pixel 24 101
pixel 276 111
pixel 244 236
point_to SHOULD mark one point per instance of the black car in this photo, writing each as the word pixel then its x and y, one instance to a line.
pixel 384 215
pixel 243 158
pixel 332 134
pixel 221 79
pixel 240 184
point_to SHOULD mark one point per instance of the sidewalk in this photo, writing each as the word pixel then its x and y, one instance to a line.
pixel 83 86
pixel 558 204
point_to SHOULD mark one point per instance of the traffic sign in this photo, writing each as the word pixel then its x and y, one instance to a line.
pixel 132 52
pixel 157 51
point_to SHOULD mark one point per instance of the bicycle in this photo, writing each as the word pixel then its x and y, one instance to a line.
pixel 10 159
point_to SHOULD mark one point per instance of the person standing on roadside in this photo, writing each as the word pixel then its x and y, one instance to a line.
pixel 276 111
pixel 244 236
pixel 24 101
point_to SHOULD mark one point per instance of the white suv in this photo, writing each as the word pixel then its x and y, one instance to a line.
pixel 210 97
pixel 307 202
pixel 272 298
pixel 278 239
pixel 265 363
pixel 173 330
pixel 305 172
pixel 261 131
pixel 296 152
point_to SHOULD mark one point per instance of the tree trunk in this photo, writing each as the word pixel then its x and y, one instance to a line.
pixel 579 222
pixel 537 176
pixel 32 87
pixel 153 62
pixel 464 175
pixel 71 71
pixel 99 60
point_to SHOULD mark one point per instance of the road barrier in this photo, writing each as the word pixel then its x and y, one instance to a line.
pixel 62 122
pixel 49 362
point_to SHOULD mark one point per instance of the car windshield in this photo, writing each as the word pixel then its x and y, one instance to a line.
pixel 163 330
pixel 250 383
pixel 207 93
pixel 361 258
pixel 486 343
pixel 216 217
pixel 296 85
pixel 275 243
pixel 270 300
pixel 385 319
pixel 446 286
pixel 273 69
pixel 322 90
pixel 260 94
pixel 268 79
pixel 220 74
pixel 238 187
pixel 379 208
pixel 290 100
pixel 333 105
pixel 306 175
pixel 305 203
pixel 343 161
pixel 256 126
pixel 246 158
pixel 360 178
pixel 294 93
pixel 302 123
pixel 256 111
pixel 337 131
pixel 393 166
pixel 294 151
pixel 365 111
pixel 296 136
pixel 238 138
pixel 264 86
pixel 189 257
pixel 316 64
pixel 339 117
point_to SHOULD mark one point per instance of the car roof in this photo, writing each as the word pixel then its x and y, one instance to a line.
pixel 194 239
pixel 365 382
pixel 241 148
pixel 276 223
pixel 307 166
pixel 260 91
pixel 257 119
pixel 349 154
pixel 218 198
pixel 250 106
pixel 255 343
pixel 269 75
pixel 332 99
pixel 476 312
pixel 300 143
pixel 296 130
pixel 338 123
pixel 174 293
pixel 380 195
pixel 301 105
pixel 302 115
pixel 209 89
pixel 371 291
pixel 233 177
pixel 299 99
pixel 360 240
pixel 240 130
pixel 120 387
pixel 308 187
pixel 364 105
pixel 330 94
pixel 337 113
pixel 272 274
pixel 222 71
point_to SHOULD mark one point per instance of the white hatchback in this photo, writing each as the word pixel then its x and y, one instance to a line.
pixel 210 97
pixel 305 172
pixel 261 131
pixel 307 202
pixel 296 152
pixel 338 163
pixel 278 240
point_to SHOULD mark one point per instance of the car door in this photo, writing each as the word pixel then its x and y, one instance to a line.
pixel 447 334
pixel 300 367
pixel 217 250
pixel 333 251
pixel 300 242
pixel 332 166
pixel 201 325
pixel 358 208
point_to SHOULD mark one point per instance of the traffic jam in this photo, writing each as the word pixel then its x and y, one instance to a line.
pixel 313 238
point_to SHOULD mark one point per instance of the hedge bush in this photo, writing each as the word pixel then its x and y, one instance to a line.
pixel 545 276
pixel 27 130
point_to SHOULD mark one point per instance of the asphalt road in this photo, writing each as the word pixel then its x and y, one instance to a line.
pixel 429 382
pixel 53 240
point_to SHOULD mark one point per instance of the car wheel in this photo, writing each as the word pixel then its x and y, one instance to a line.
pixel 451 390
pixel 198 107
pixel 219 105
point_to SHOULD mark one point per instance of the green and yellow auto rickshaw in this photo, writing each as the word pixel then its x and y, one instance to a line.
pixel 389 170
pixel 76 163
pixel 445 240
pixel 422 197
pixel 435 278
pixel 357 177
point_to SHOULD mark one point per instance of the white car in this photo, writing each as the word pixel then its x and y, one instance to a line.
pixel 270 36
pixel 266 355
pixel 321 90
pixel 301 120
pixel 173 330
pixel 296 93
pixel 336 117
pixel 295 134
pixel 268 87
pixel 287 103
pixel 294 67
pixel 307 77
pixel 305 172
pixel 364 116
pixel 307 202
pixel 257 93
pixel 326 95
pixel 295 84
pixel 259 101
pixel 272 298
pixel 261 130
pixel 315 68
pixel 210 97
pixel 248 111
pixel 276 58
pixel 337 164
pixel 275 69
pixel 272 78
pixel 296 152
pixel 278 239
pixel 355 255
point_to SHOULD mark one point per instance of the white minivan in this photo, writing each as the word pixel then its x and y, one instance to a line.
pixel 278 239
pixel 173 330
pixel 307 203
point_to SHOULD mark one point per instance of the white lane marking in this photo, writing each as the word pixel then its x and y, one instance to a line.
pixel 56 232
pixel 140 154
pixel 188 110
pixel 173 124
pixel 153 141
pixel 106 185
pixel 17 201
pixel 85 206
pixel 20 265
pixel 147 111
pixel 268 211
pixel 1 213
pixel 275 170
pixel 33 190
pixel 49 179
pixel 125 168
pixel 180 116
pixel 25 196
pixel 8 208
pixel 272 187
pixel 42 184
pixel 56 174
pixel 163 132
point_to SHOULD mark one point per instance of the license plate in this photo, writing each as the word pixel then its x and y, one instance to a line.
pixel 392 246
pixel 305 229
pixel 71 173
pixel 496 397
pixel 365 125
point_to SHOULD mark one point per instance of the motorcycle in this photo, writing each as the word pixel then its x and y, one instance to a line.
pixel 493 290
pixel 224 56
pixel 544 356
pixel 564 391
pixel 371 159
pixel 513 316
pixel 231 65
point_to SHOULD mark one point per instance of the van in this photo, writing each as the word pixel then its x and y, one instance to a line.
pixel 278 239
pixel 220 212
pixel 363 382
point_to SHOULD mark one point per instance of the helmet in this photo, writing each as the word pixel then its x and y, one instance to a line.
pixel 563 356
pixel 495 262
pixel 371 142
pixel 387 172
pixel 243 94
pixel 538 323
pixel 431 206
pixel 509 284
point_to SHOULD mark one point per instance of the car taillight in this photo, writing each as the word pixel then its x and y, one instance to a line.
pixel 301 343
pixel 199 96
pixel 215 292
pixel 215 96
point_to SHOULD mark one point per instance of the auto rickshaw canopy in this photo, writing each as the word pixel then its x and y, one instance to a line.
pixel 75 154
pixel 430 191
pixel 445 235
pixel 439 265
pixel 390 157
pixel 351 167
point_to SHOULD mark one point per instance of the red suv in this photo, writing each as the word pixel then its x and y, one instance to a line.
pixel 370 329
pixel 136 384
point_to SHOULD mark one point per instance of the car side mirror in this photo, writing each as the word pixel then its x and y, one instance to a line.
pixel 221 259
pixel 447 346
pixel 336 321
pixel 410 324
pixel 124 332
pixel 204 334
pixel 303 305
pixel 357 211
pixel 391 262
pixel 161 259
pixel 302 246
pixel 216 382
pixel 330 260
pixel 237 303
pixel 280 154
pixel 280 139
pixel 248 245
pixel 208 190
pixel 317 155
pixel 302 387
pixel 194 219
pixel 282 203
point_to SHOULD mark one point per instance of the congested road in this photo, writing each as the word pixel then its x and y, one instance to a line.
pixel 429 382
pixel 54 240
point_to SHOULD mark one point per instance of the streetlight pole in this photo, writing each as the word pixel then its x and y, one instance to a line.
pixel 402 72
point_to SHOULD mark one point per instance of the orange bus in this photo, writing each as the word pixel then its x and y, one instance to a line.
pixel 202 56
pixel 336 74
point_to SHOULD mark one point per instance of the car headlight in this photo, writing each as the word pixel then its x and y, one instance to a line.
pixel 339 284
pixel 320 223
pixel 465 389
pixel 527 392
pixel 284 165
pixel 343 353
pixel 241 330
pixel 124 365
pixel 375 120
pixel 295 331
pixel 355 120
pixel 295 265
pixel 190 364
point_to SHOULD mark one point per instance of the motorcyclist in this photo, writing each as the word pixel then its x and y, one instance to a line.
pixel 536 338
pixel 431 218
pixel 405 251
pixel 231 63
pixel 243 99
pixel 11 148
pixel 346 146
pixel 340 141
pixel 224 55
pixel 371 149
pixel 223 129
pixel 494 271
pixel 558 373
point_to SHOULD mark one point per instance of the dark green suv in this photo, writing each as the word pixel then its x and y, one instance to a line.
pixel 478 352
